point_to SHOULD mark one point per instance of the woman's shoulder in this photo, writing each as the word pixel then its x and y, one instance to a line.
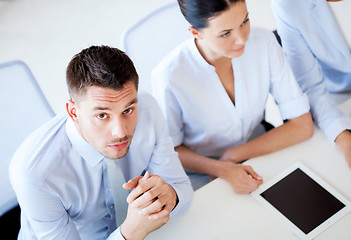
pixel 260 35
pixel 262 43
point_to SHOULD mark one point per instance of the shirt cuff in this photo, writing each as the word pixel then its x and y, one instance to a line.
pixel 336 127
pixel 185 199
pixel 116 235
pixel 294 108
pixel 177 139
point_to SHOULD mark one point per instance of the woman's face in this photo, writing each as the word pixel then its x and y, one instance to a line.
pixel 227 33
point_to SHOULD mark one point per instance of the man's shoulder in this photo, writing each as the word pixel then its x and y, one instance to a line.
pixel 148 131
pixel 31 156
pixel 150 117
pixel 147 104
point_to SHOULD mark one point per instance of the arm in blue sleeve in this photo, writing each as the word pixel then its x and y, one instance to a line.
pixel 308 73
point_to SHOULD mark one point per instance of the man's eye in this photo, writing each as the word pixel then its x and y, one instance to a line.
pixel 102 116
pixel 129 110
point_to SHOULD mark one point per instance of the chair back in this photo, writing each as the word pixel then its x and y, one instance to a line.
pixel 153 36
pixel 23 109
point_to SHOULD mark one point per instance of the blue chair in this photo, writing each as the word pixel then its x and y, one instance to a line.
pixel 23 109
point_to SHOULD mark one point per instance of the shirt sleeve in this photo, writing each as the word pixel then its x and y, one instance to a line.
pixel 45 212
pixel 291 102
pixel 165 163
pixel 308 73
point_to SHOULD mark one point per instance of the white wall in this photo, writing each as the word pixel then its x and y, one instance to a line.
pixel 45 34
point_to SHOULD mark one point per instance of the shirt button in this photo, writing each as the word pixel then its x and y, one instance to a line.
pixel 111 206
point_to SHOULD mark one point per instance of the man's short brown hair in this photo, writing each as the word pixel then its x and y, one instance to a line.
pixel 100 66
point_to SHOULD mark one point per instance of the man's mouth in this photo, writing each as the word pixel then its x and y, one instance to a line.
pixel 119 146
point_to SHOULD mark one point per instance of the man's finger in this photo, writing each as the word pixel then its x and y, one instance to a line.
pixel 132 183
pixel 152 194
pixel 144 185
pixel 145 177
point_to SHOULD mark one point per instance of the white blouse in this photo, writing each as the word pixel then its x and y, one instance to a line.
pixel 199 112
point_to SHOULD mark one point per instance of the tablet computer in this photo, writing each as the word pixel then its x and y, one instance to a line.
pixel 302 201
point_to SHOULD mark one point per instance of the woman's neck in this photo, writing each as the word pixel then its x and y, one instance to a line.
pixel 210 56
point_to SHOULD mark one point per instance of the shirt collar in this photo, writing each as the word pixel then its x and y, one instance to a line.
pixel 196 53
pixel 85 150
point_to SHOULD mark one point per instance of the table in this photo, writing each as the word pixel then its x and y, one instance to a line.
pixel 218 213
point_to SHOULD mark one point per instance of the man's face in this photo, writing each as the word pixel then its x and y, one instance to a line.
pixel 106 118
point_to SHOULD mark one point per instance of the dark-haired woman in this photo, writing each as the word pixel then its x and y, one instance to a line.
pixel 213 90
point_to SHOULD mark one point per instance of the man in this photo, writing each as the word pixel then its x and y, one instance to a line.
pixel 60 172
pixel 321 61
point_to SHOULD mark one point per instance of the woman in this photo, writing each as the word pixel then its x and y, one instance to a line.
pixel 213 89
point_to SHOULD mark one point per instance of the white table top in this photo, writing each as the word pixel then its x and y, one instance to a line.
pixel 217 212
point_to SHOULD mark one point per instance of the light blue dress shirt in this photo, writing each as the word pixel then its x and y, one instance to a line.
pixel 62 185
pixel 319 57
pixel 197 108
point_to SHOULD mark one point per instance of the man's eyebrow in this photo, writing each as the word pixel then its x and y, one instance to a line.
pixel 227 30
pixel 98 108
pixel 135 100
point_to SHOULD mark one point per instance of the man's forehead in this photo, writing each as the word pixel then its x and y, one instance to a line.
pixel 102 97
pixel 104 106
pixel 96 91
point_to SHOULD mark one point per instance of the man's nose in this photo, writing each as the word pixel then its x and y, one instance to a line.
pixel 119 129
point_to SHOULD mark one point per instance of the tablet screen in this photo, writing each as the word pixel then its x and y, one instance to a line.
pixel 302 200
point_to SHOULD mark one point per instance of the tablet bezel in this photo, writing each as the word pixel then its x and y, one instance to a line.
pixel 290 225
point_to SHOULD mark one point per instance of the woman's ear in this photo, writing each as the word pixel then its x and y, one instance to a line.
pixel 71 110
pixel 194 32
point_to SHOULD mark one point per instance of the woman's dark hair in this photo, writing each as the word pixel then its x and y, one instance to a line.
pixel 198 12
pixel 100 66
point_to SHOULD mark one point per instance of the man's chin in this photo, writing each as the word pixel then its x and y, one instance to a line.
pixel 117 155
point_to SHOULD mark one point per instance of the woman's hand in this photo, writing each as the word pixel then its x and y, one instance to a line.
pixel 343 141
pixel 243 179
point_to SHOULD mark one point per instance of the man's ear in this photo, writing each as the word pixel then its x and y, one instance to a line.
pixel 194 32
pixel 71 109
